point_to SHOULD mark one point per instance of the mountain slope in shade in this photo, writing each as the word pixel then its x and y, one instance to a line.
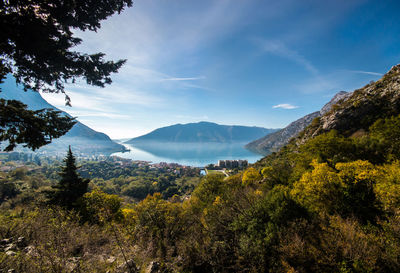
pixel 273 142
pixel 203 132
pixel 82 138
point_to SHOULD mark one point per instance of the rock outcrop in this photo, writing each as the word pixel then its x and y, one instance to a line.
pixel 11 246
pixel 361 108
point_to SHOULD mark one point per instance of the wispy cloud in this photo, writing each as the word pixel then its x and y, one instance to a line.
pixel 317 84
pixel 186 117
pixel 92 101
pixel 185 79
pixel 141 76
pixel 279 48
pixel 81 114
pixel 365 72
pixel 285 106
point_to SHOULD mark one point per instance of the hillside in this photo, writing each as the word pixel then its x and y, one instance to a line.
pixel 380 99
pixel 274 141
pixel 81 137
pixel 203 132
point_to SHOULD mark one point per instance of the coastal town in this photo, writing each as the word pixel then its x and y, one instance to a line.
pixel 14 160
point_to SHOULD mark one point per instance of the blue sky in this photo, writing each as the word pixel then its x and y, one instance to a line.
pixel 245 62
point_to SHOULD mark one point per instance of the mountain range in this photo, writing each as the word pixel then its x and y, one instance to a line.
pixel 203 132
pixel 273 142
pixel 82 138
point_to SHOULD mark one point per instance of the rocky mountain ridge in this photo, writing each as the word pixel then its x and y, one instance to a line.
pixel 361 108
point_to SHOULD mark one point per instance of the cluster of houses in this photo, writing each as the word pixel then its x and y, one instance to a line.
pixel 232 164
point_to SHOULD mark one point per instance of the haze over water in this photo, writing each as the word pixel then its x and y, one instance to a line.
pixel 189 154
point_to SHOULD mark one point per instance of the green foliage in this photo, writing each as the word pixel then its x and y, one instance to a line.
pixel 251 176
pixel 257 227
pixel 318 207
pixel 56 241
pixel 346 190
pixel 8 189
pixel 359 198
pixel 138 182
pixel 319 190
pixel 71 186
pixel 157 225
pixel 315 122
pixel 34 128
pixel 386 132
pixel 278 172
pixel 330 147
pixel 387 188
pixel 209 188
pixel 98 207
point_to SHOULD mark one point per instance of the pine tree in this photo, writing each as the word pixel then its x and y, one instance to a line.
pixel 71 186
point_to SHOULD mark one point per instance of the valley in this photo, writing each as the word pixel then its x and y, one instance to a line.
pixel 331 187
pixel 199 136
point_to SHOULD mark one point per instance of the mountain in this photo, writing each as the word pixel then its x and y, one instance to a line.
pixel 356 113
pixel 82 138
pixel 202 132
pixel 273 142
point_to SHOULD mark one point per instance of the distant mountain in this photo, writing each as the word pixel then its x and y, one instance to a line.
pixel 203 132
pixel 273 142
pixel 82 138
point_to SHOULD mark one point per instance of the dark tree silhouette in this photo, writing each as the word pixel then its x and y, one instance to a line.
pixel 35 128
pixel 36 47
pixel 71 186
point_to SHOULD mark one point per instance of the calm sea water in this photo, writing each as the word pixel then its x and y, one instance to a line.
pixel 189 154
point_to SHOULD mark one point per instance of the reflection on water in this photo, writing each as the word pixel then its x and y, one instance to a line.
pixel 191 154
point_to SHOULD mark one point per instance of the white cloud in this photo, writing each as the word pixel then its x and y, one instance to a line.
pixel 285 106
pixel 279 48
pixel 317 84
pixel 197 118
pixel 107 102
pixel 78 100
pixel 81 114
pixel 365 72
pixel 185 79
pixel 335 81
pixel 141 77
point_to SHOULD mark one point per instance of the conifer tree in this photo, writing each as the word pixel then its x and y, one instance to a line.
pixel 71 186
pixel 38 48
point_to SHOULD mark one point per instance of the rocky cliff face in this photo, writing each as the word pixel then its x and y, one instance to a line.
pixel 273 142
pixel 361 108
pixel 340 96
